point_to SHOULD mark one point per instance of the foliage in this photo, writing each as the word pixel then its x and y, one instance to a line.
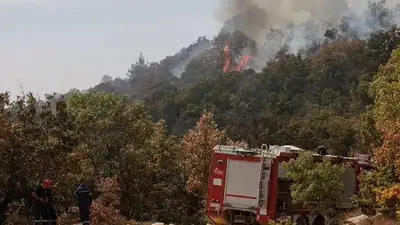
pixel 389 195
pixel 35 144
pixel 294 100
pixel 316 185
pixel 385 90
pixel 152 181
pixel 388 199
pixel 107 124
pixel 105 208
pixel 370 181
pixel 385 113
pixel 388 153
pixel 281 222
pixel 197 147
pixel 139 142
pixel 378 221
pixel 91 137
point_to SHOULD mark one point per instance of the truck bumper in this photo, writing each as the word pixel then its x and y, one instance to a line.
pixel 263 220
pixel 216 218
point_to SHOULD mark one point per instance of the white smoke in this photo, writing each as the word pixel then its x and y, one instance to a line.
pixel 300 23
pixel 200 46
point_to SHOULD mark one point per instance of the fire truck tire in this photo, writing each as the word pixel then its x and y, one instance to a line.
pixel 302 220
pixel 319 220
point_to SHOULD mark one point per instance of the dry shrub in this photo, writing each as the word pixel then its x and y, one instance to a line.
pixel 282 222
pixel 378 220
pixel 104 209
pixel 71 217
pixel 352 214
pixel 17 214
pixel 104 215
pixel 67 219
pixel 110 192
pixel 18 219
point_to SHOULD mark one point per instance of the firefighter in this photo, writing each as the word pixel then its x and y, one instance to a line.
pixel 44 209
pixel 84 196
pixel 321 150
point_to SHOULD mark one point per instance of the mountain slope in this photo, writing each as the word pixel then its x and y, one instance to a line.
pixel 307 97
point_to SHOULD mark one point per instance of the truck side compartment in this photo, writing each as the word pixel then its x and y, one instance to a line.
pixel 241 177
pixel 216 189
pixel 249 186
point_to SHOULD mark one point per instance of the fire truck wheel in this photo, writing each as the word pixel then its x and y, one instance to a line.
pixel 302 220
pixel 319 220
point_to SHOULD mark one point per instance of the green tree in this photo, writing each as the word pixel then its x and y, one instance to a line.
pixel 381 177
pixel 316 185
pixel 138 68
pixel 106 124
pixel 151 181
pixel 385 90
pixel 36 143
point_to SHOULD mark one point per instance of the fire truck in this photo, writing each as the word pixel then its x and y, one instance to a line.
pixel 249 186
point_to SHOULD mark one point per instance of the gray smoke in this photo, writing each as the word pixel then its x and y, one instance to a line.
pixel 299 23
pixel 201 46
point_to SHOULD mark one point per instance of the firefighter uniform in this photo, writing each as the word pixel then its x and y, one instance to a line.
pixel 44 209
pixel 39 206
pixel 84 201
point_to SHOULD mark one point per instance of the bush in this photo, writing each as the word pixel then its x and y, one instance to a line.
pixel 281 222
pixel 378 220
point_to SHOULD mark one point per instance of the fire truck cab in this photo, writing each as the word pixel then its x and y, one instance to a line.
pixel 249 186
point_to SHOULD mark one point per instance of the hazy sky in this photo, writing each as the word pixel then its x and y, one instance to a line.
pixel 55 45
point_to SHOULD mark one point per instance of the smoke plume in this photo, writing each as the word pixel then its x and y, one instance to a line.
pixel 297 24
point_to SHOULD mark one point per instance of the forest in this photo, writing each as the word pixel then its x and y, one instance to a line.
pixel 143 143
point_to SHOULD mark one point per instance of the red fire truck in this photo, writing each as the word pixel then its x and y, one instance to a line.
pixel 249 186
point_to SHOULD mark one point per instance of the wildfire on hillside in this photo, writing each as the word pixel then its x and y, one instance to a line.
pixel 227 54
pixel 243 63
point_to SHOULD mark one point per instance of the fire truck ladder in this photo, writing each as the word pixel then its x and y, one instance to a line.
pixel 266 161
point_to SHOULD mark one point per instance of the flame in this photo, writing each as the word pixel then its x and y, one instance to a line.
pixel 227 54
pixel 244 62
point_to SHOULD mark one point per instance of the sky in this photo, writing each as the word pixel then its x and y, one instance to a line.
pixel 51 46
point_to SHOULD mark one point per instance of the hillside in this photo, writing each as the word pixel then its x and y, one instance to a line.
pixel 287 98
pixel 143 142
